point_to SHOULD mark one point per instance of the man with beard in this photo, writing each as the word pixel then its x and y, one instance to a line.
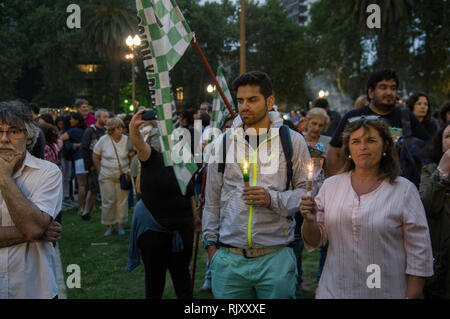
pixel 90 137
pixel 248 226
pixel 381 92
pixel 30 198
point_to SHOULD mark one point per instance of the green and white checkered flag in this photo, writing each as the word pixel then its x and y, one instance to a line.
pixel 165 37
pixel 219 110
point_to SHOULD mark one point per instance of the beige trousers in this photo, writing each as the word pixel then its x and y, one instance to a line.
pixel 114 202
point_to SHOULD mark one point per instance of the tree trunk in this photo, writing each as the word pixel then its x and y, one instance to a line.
pixel 115 79
pixel 383 48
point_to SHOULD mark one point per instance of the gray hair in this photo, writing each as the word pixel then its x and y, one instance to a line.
pixel 15 113
pixel 81 102
pixel 99 112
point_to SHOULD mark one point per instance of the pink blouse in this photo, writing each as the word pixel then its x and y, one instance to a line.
pixel 374 240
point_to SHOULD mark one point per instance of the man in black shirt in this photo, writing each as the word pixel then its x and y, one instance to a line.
pixel 90 137
pixel 381 93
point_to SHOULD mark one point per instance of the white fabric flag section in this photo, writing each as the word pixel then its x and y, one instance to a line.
pixel 219 110
pixel 165 37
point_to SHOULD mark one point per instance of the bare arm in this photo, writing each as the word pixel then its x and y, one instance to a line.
pixel 334 160
pixel 96 159
pixel 27 217
pixel 143 149
pixel 10 236
pixel 414 286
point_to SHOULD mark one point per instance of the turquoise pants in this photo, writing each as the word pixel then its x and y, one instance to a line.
pixel 273 276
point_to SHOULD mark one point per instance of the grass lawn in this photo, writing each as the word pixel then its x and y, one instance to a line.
pixel 103 261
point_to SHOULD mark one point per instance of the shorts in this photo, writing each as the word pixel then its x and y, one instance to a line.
pixel 79 167
pixel 93 182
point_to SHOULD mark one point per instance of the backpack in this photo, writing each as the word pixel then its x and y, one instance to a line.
pixel 410 151
pixel 286 144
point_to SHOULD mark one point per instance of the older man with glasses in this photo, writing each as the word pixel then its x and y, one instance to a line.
pixel 30 198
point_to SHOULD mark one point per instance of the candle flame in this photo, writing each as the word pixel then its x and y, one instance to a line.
pixel 310 167
pixel 245 164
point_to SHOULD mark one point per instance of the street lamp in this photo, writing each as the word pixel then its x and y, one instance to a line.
pixel 210 88
pixel 132 43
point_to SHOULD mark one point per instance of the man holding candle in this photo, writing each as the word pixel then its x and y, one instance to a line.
pixel 248 223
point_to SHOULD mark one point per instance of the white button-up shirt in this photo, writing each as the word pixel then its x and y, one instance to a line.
pixel 28 270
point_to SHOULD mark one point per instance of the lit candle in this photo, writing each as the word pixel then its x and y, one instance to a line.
pixel 245 173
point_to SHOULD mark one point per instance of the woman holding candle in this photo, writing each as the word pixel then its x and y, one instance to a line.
pixel 373 219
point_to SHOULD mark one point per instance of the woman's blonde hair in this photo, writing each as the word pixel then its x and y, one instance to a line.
pixel 112 124
pixel 318 111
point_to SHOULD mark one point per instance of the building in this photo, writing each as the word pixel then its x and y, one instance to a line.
pixel 298 10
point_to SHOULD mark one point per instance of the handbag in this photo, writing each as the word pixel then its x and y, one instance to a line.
pixel 124 179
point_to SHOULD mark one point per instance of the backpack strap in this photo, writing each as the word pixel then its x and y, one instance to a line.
pixel 225 146
pixel 286 143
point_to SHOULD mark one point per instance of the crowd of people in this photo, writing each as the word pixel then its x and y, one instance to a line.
pixel 381 195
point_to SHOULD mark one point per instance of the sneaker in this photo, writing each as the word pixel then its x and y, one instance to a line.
pixel 86 217
pixel 121 232
pixel 107 233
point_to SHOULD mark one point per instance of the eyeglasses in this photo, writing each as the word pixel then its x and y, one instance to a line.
pixel 363 117
pixel 12 133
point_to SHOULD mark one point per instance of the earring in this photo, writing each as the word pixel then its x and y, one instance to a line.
pixel 349 156
pixel 384 154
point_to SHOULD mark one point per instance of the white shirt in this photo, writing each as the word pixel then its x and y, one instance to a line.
pixel 27 270
pixel 108 163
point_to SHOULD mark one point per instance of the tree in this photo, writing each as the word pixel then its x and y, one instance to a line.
pixel 394 13
pixel 109 24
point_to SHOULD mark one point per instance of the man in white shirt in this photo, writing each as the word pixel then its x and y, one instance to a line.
pixel 30 198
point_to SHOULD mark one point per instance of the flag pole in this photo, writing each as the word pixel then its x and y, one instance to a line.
pixel 200 213
pixel 213 77
pixel 233 115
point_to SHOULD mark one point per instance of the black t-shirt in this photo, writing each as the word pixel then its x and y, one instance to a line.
pixel 160 191
pixel 394 119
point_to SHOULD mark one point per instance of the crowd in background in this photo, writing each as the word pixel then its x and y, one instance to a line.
pixel 92 148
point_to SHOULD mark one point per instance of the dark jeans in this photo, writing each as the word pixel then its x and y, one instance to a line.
pixel 157 255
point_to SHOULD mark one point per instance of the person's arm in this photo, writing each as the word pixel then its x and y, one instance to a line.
pixel 96 158
pixel 26 216
pixel 334 160
pixel 142 148
pixel 10 236
pixel 310 229
pixel 414 286
pixel 416 242
pixel 432 193
pixel 211 211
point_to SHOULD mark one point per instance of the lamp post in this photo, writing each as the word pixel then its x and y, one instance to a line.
pixel 132 43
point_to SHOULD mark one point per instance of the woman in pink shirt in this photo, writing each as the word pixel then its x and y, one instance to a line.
pixel 374 220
